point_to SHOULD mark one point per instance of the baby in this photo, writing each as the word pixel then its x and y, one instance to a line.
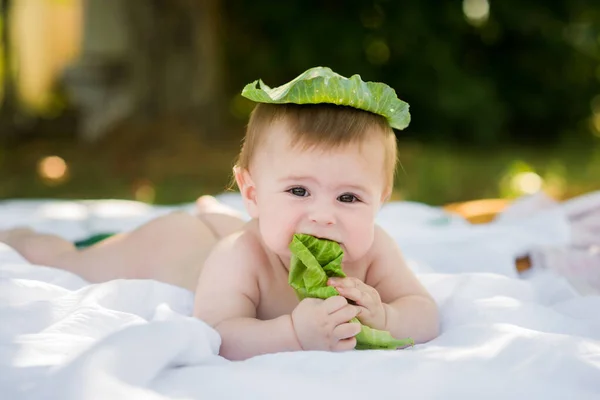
pixel 320 169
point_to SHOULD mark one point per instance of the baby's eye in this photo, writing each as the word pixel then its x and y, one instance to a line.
pixel 298 191
pixel 348 198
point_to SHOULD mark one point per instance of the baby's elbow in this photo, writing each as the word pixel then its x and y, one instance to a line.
pixel 232 353
pixel 433 325
pixel 229 348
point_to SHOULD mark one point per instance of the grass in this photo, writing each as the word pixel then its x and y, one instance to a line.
pixel 172 169
pixel 441 174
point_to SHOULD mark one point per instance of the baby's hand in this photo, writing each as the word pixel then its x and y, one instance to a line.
pixel 366 298
pixel 323 324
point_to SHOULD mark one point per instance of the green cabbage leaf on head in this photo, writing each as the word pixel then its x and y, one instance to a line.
pixel 322 85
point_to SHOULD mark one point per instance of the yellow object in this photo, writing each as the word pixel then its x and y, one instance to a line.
pixel 484 211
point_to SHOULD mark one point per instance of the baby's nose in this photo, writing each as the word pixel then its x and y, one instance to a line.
pixel 322 216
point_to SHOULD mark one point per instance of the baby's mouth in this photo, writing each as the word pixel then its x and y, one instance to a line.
pixel 325 238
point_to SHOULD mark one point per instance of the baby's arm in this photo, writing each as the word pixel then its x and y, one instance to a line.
pixel 410 310
pixel 227 297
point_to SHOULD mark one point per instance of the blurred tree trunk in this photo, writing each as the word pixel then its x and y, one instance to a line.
pixel 175 59
pixel 9 107
pixel 164 63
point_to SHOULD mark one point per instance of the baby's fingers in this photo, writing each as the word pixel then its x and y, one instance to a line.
pixel 344 314
pixel 358 296
pixel 344 344
pixel 346 331
pixel 334 304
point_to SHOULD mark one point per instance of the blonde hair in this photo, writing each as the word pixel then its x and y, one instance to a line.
pixel 319 125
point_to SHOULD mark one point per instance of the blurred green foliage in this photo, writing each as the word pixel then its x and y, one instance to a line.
pixel 168 172
pixel 527 74
pixel 505 100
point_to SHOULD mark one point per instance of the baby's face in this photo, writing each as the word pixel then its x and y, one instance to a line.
pixel 332 194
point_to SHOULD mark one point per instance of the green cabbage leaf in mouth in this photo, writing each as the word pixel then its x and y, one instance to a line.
pixel 313 262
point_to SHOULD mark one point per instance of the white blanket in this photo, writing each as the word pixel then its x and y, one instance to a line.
pixel 502 336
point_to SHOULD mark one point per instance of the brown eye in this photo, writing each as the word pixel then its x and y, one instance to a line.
pixel 347 198
pixel 298 191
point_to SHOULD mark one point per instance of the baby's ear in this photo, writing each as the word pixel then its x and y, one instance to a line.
pixel 385 196
pixel 247 190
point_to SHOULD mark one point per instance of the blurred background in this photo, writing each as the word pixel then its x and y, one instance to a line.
pixel 140 99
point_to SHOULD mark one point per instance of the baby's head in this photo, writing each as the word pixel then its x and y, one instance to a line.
pixel 319 169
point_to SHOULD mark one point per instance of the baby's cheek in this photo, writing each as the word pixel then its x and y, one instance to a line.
pixel 357 250
pixel 360 240
pixel 274 234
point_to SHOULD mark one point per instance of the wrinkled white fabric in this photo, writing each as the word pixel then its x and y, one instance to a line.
pixel 502 336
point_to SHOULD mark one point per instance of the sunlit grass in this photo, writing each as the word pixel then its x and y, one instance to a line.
pixel 438 174
pixel 182 171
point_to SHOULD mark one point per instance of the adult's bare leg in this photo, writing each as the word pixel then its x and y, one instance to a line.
pixel 170 249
